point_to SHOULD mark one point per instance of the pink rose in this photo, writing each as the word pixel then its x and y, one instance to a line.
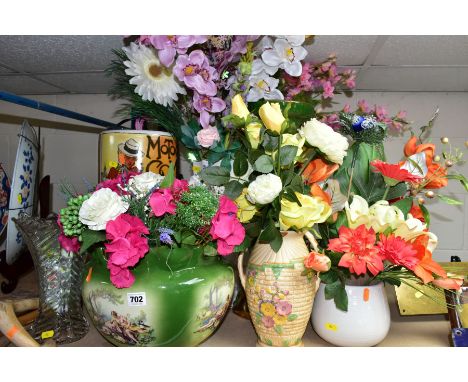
pixel 226 228
pixel 121 277
pixel 162 201
pixel 207 137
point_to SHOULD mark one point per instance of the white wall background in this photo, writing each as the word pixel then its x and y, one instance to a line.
pixel 72 156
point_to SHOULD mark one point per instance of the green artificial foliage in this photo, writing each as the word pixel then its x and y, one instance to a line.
pixel 69 216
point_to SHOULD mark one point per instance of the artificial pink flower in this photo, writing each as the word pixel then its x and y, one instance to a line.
pixel 127 251
pixel 317 261
pixel 116 184
pixel 161 202
pixel 381 113
pixel 328 90
pixel 178 188
pixel 363 106
pixel 69 244
pixel 206 137
pixel 283 308
pixel 120 277
pixel 123 225
pixel 347 108
pixel 226 228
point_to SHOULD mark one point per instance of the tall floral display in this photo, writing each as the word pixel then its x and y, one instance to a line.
pixel 306 189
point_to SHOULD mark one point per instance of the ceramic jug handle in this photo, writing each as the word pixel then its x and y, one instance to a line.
pixel 240 268
pixel 312 240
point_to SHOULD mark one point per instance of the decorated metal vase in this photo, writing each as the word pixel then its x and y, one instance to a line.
pixel 280 291
pixel 179 298
pixel 366 323
pixel 135 150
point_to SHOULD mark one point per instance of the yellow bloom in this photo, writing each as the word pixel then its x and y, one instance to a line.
pixel 246 209
pixel 238 107
pixel 252 130
pixel 268 309
pixel 314 210
pixel 280 320
pixel 271 116
pixel 112 164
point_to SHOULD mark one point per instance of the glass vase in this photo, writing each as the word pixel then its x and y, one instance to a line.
pixel 60 275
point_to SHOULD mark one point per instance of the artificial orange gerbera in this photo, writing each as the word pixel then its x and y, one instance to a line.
pixel 359 250
pixel 394 172
pixel 318 170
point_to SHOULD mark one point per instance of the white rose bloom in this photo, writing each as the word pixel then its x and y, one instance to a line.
pixel 103 205
pixel 328 141
pixel 264 189
pixel 358 212
pixel 411 228
pixel 383 216
pixel 143 183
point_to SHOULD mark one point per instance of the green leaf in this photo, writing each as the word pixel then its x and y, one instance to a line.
pixel 426 214
pixel 397 191
pixel 253 229
pixel 292 317
pixel 329 277
pixel 216 176
pixel 341 220
pixel 404 205
pixel 168 180
pixel 189 240
pixel 233 189
pixel 287 155
pixel 264 164
pixel 208 250
pixel 287 176
pixel 214 157
pixel 270 143
pixel 341 299
pixel 234 119
pixel 226 163
pixel 269 233
pixel 89 238
pixel 240 165
pixel 331 289
pixel 461 178
pixel 449 200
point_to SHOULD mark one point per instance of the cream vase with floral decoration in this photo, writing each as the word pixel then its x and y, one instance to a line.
pixel 280 290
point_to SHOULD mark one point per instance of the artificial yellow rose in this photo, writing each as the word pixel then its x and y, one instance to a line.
pixel 293 140
pixel 246 210
pixel 357 212
pixel 313 210
pixel 252 130
pixel 271 116
pixel 238 107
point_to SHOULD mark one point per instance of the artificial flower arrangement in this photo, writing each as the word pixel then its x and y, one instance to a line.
pixel 185 85
pixel 383 232
pixel 134 212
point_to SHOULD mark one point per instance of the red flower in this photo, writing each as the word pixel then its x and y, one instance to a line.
pixel 393 171
pixel 116 184
pixel 427 267
pixel 396 250
pixel 358 248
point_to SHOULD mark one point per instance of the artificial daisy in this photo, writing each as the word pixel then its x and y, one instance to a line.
pixel 153 81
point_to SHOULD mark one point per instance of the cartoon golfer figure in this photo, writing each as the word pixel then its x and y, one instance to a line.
pixel 129 156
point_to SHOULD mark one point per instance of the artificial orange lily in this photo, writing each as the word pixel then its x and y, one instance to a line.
pixel 436 174
pixel 416 212
pixel 317 191
pixel 426 266
pixel 318 170
pixel 412 148
pixel 448 283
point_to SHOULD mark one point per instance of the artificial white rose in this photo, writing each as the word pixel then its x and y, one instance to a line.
pixel 383 216
pixel 328 141
pixel 143 183
pixel 411 228
pixel 264 189
pixel 103 205
pixel 357 212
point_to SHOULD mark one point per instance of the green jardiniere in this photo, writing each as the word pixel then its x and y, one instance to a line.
pixel 179 298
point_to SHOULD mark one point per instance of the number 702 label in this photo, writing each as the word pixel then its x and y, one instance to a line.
pixel 136 299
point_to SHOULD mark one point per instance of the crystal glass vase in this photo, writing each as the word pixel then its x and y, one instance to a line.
pixel 60 275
